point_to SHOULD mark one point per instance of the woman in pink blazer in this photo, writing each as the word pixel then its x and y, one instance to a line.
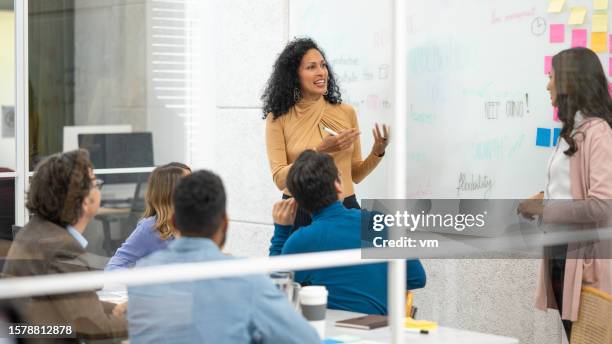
pixel 580 169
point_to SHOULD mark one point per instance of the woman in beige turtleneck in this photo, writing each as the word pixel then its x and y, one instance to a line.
pixel 300 101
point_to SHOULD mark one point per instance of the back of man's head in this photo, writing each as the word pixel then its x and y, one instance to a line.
pixel 199 204
pixel 59 187
pixel 311 180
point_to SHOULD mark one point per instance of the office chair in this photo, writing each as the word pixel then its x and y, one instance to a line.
pixel 126 220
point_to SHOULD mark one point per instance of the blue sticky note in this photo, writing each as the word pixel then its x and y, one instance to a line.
pixel 556 133
pixel 343 338
pixel 543 137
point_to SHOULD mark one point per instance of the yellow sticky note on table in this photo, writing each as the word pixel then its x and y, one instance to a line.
pixel 555 6
pixel 420 324
pixel 600 22
pixel 598 41
pixel 577 15
pixel 600 5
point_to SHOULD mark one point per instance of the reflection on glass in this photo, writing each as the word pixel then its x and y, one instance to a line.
pixel 112 66
pixel 7 87
pixel 51 73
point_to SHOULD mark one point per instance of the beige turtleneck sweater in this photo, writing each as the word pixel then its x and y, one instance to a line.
pixel 298 130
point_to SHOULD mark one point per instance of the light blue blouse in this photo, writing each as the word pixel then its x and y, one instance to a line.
pixel 143 241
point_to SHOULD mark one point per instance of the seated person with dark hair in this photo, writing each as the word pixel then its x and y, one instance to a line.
pixel 243 309
pixel 314 183
pixel 64 196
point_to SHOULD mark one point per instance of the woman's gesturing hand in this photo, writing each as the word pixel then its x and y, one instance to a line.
pixel 339 142
pixel 381 141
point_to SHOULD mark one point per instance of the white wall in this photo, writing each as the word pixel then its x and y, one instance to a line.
pixel 7 81
pixel 248 36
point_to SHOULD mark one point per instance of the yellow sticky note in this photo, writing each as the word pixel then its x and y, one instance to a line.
pixel 598 42
pixel 577 15
pixel 420 324
pixel 555 6
pixel 600 5
pixel 600 22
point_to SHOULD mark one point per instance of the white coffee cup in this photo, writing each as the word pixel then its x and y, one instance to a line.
pixel 313 302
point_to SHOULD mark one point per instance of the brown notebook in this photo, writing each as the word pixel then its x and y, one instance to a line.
pixel 366 322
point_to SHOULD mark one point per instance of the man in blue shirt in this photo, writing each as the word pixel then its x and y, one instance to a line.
pixel 245 309
pixel 315 185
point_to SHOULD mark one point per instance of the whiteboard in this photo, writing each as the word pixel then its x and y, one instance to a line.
pixel 476 90
pixel 477 94
pixel 356 36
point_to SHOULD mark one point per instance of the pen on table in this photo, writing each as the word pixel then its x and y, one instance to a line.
pixel 416 330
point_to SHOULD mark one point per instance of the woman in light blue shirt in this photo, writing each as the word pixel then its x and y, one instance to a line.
pixel 154 231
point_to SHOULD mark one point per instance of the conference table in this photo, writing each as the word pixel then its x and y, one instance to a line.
pixel 440 335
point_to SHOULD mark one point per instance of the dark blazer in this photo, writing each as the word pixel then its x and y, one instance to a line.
pixel 43 247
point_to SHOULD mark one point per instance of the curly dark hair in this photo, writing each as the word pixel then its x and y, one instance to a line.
pixel 278 96
pixel 59 186
pixel 581 85
pixel 311 180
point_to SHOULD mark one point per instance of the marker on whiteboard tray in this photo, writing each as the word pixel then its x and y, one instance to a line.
pixel 330 132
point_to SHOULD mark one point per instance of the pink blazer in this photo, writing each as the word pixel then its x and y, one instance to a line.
pixel 591 183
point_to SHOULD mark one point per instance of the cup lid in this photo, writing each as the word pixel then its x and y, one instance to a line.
pixel 314 290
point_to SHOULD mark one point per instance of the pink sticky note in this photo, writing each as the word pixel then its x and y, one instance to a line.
pixel 610 45
pixel 556 114
pixel 547 64
pixel 579 38
pixel 557 33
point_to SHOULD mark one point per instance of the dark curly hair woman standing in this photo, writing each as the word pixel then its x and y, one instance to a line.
pixel 303 110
